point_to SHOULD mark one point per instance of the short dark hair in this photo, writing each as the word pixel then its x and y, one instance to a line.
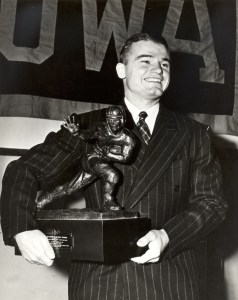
pixel 136 38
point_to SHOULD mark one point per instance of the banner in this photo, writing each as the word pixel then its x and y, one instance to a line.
pixel 67 50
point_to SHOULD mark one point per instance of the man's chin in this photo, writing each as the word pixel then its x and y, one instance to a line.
pixel 155 94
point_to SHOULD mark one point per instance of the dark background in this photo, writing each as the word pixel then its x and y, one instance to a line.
pixel 63 75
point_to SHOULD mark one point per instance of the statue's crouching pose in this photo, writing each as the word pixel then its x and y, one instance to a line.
pixel 113 143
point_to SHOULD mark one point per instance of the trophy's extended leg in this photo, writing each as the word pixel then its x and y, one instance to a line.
pixel 79 181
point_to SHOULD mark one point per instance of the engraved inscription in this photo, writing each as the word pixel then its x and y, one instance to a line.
pixel 61 241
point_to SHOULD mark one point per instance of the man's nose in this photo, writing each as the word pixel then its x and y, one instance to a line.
pixel 157 68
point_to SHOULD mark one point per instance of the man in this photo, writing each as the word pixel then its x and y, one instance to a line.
pixel 175 179
pixel 112 142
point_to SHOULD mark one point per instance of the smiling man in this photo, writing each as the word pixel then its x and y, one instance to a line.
pixel 145 70
pixel 175 180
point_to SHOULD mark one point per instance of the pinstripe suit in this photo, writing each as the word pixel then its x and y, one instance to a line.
pixel 175 180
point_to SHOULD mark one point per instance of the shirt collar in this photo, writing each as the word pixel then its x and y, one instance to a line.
pixel 152 113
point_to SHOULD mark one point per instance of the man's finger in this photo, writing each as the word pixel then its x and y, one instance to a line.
pixel 42 258
pixel 45 260
pixel 148 256
pixel 36 258
pixel 153 260
pixel 146 239
pixel 48 248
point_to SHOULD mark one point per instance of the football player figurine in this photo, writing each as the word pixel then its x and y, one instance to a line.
pixel 113 143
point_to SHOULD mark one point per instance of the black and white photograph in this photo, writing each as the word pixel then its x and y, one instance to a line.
pixel 118 149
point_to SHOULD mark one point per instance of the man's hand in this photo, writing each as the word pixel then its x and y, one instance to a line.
pixel 157 240
pixel 71 124
pixel 35 247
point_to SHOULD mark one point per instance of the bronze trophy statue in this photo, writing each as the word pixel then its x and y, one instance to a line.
pixel 107 235
pixel 113 143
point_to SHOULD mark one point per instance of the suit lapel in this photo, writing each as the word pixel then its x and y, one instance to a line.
pixel 167 139
pixel 141 146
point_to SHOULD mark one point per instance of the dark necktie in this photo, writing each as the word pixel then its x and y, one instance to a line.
pixel 143 127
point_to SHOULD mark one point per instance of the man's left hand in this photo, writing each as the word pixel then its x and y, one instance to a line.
pixel 157 241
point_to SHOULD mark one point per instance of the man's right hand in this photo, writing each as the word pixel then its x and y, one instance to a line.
pixel 71 124
pixel 35 247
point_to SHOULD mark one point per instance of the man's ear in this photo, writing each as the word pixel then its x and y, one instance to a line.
pixel 121 70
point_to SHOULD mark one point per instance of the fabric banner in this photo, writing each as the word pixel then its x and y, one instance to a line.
pixel 65 51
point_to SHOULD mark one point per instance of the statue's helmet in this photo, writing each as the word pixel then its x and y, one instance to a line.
pixel 116 111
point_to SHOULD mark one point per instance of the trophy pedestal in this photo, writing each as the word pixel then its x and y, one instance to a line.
pixel 93 235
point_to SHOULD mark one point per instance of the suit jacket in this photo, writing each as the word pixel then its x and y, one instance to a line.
pixel 175 180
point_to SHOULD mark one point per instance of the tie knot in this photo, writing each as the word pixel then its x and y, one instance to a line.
pixel 142 115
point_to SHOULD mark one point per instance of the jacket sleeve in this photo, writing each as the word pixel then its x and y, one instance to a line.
pixel 206 208
pixel 42 165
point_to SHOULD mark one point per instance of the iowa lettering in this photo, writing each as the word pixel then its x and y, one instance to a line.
pixel 97 35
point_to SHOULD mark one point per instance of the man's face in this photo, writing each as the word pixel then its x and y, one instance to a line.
pixel 147 72
pixel 115 124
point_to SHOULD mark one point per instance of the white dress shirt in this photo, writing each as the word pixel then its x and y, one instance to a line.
pixel 152 113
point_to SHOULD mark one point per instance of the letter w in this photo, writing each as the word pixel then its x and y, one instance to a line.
pixel 96 39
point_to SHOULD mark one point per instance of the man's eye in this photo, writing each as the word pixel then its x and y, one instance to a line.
pixel 165 65
pixel 145 61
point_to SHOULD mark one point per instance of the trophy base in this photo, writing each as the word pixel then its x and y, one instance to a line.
pixel 102 236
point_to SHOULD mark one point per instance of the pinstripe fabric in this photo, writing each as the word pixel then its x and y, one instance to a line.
pixel 175 180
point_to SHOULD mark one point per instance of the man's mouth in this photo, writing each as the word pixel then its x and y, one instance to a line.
pixel 153 79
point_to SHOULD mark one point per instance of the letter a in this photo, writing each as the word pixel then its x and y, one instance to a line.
pixel 205 48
